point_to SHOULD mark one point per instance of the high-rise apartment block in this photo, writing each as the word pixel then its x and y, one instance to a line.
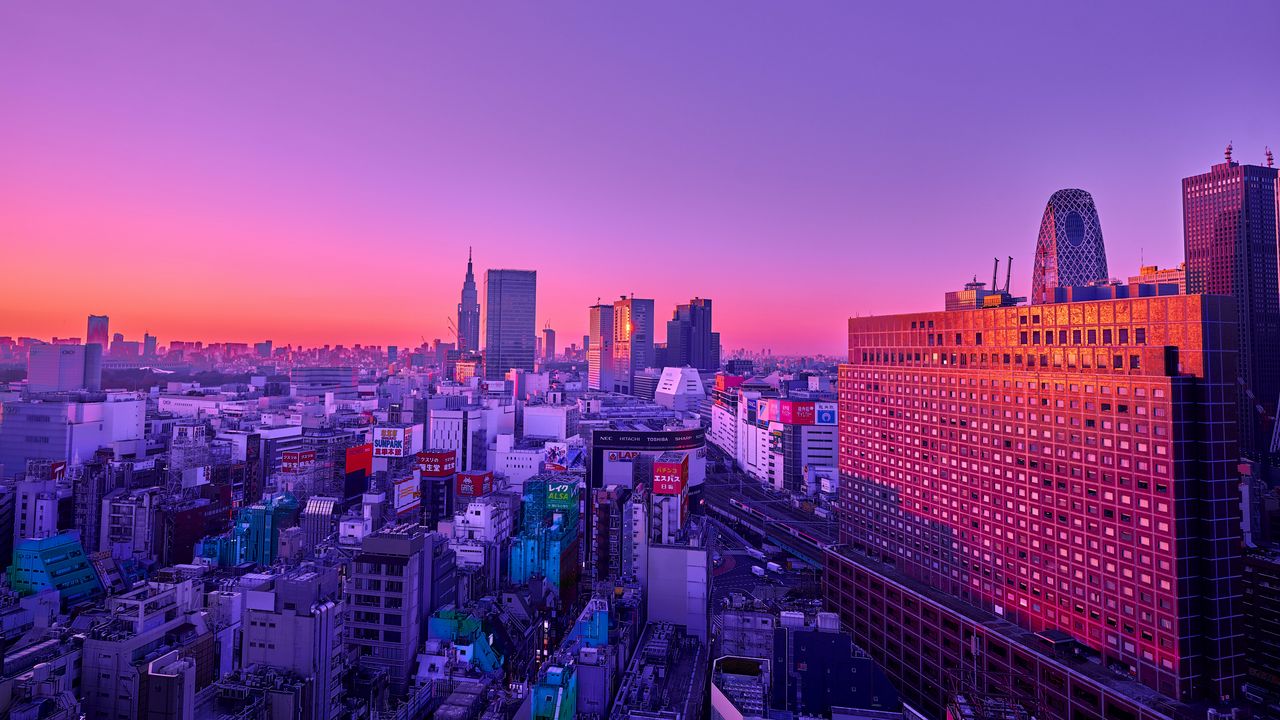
pixel 1230 226
pixel 510 326
pixel 1066 469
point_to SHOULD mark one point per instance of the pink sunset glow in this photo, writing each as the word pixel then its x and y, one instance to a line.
pixel 315 174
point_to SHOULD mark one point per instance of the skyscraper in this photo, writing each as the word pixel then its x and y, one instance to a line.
pixel 632 341
pixel 1230 235
pixel 1060 468
pixel 469 313
pixel 690 340
pixel 98 331
pixel 599 344
pixel 548 344
pixel 1069 249
pixel 510 328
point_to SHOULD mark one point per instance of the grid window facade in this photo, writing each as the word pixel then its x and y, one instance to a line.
pixel 1065 466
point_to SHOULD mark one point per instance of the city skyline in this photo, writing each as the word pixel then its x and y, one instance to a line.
pixel 295 423
pixel 301 203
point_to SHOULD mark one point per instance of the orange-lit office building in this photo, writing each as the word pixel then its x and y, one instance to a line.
pixel 1042 501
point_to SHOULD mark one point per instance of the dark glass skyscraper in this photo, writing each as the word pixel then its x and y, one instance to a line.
pixel 98 331
pixel 1230 235
pixel 1069 249
pixel 689 337
pixel 510 325
pixel 469 313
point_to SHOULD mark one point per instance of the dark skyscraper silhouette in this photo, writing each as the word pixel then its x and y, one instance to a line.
pixel 1230 236
pixel 1069 249
pixel 469 313
pixel 690 340
pixel 98 331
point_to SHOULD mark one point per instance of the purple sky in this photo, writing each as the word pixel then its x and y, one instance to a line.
pixel 313 172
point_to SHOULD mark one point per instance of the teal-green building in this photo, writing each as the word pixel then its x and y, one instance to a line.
pixel 258 527
pixel 55 563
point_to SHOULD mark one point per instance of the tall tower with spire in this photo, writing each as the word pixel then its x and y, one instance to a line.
pixel 469 312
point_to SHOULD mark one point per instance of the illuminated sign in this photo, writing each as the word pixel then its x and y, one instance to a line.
pixel 796 412
pixel 407 495
pixel 649 440
pixel 437 463
pixel 360 458
pixel 474 484
pixel 562 495
pixel 824 413
pixel 555 455
pixel 765 410
pixel 391 441
pixel 295 461
pixel 670 477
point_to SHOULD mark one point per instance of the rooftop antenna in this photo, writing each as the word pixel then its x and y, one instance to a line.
pixel 1271 158
pixel 1227 154
pixel 995 270
pixel 1008 271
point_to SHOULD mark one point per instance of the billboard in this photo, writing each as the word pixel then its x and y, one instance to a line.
pixel 796 412
pixel 406 496
pixel 358 467
pixel 474 484
pixel 562 494
pixel 670 475
pixel 438 463
pixel 615 454
pixel 649 440
pixel 824 413
pixel 296 461
pixel 392 441
pixel 360 457
pixel 555 456
pixel 725 382
pixel 768 410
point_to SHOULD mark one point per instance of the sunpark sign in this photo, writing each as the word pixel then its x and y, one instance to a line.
pixel 392 441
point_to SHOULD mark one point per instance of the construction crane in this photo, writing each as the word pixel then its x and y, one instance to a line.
pixel 453 329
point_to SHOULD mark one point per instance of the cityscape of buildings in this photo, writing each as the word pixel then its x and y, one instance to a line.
pixel 990 508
